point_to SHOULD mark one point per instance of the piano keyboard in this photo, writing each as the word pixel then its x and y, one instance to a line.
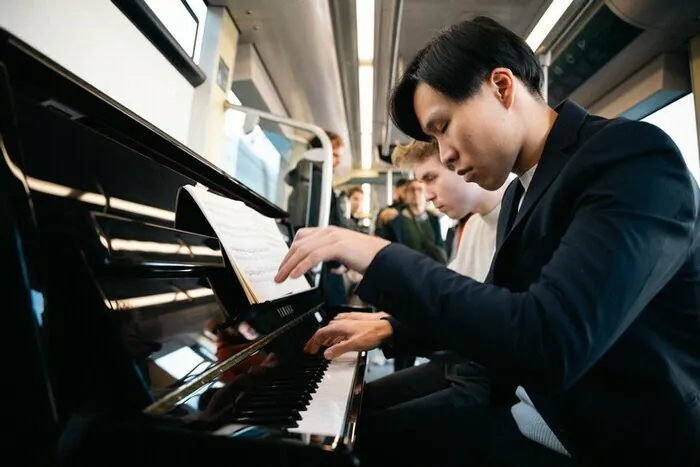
pixel 326 412
pixel 310 396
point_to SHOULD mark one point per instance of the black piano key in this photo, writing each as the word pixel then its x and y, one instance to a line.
pixel 295 381
pixel 282 422
pixel 298 379
pixel 284 384
pixel 268 413
pixel 278 396
pixel 266 404
pixel 273 398
pixel 296 388
pixel 281 396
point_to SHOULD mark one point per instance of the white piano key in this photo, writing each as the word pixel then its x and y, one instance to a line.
pixel 325 413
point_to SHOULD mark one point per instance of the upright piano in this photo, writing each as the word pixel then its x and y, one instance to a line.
pixel 132 342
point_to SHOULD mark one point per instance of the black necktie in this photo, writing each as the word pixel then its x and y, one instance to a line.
pixel 515 206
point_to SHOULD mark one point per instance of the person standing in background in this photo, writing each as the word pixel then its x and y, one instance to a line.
pixel 419 230
pixel 416 227
pixel 307 176
pixel 357 218
pixel 389 213
pixel 303 206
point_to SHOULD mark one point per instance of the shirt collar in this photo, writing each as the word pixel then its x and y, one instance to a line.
pixel 407 213
pixel 526 178
pixel 491 217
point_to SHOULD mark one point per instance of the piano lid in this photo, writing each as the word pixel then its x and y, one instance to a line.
pixel 44 81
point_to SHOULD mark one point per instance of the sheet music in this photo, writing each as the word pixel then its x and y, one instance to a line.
pixel 252 242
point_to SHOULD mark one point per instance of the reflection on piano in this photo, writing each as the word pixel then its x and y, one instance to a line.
pixel 137 342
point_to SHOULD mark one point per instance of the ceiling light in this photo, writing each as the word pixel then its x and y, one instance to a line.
pixel 549 19
pixel 365 56
pixel 366 88
pixel 367 148
pixel 365 30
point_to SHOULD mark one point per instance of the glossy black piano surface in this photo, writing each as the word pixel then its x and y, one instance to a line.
pixel 135 337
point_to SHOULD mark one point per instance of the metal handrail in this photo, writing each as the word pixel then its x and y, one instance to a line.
pixel 324 210
pixel 395 35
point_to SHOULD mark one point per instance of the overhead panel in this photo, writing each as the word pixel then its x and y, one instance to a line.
pixel 613 41
pixel 660 82
pixel 603 37
pixel 252 85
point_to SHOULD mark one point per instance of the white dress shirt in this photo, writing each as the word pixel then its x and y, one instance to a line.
pixel 477 245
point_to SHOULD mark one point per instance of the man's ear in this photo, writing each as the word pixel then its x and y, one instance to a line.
pixel 503 83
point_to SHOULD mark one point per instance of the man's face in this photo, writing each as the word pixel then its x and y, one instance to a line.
pixel 356 201
pixel 447 190
pixel 480 138
pixel 401 193
pixel 415 195
pixel 338 149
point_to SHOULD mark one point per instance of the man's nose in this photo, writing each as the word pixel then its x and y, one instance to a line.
pixel 448 156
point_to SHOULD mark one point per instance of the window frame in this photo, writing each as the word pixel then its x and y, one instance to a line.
pixel 155 31
pixel 691 160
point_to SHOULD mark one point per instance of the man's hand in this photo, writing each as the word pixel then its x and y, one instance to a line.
pixel 347 335
pixel 314 245
pixel 359 316
pixel 340 270
pixel 387 215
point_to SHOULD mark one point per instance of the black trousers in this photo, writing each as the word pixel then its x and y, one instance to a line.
pixel 424 416
pixel 402 362
pixel 415 416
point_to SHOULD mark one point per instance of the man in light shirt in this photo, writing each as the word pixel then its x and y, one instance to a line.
pixel 447 397
pixel 473 208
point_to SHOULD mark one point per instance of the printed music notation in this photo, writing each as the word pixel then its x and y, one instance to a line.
pixel 252 243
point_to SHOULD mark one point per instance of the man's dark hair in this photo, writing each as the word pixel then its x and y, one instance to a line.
pixel 456 63
pixel 400 182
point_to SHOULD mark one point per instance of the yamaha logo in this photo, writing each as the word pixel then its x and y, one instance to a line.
pixel 286 310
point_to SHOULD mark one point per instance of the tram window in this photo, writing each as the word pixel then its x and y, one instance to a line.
pixel 679 121
pixel 259 159
pixel 183 19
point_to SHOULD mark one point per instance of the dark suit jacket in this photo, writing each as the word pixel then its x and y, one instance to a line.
pixel 394 230
pixel 594 300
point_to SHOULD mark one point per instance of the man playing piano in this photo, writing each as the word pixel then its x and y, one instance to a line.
pixel 588 322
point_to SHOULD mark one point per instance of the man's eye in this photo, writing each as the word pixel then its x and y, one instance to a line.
pixel 443 128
